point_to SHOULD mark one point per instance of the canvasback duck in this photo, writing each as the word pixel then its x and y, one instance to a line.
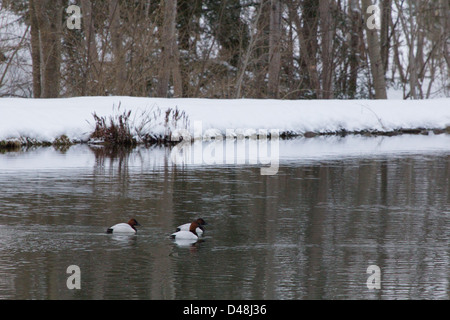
pixel 187 235
pixel 187 226
pixel 124 227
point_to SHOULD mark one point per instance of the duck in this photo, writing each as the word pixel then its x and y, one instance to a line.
pixel 190 235
pixel 124 227
pixel 187 226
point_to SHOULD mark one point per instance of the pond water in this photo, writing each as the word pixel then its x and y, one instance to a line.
pixel 332 208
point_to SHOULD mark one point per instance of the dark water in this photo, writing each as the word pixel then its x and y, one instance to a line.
pixel 308 232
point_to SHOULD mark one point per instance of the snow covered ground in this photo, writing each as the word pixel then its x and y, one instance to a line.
pixel 45 120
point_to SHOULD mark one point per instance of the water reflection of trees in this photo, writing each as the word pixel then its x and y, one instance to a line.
pixel 111 153
pixel 139 181
pixel 322 223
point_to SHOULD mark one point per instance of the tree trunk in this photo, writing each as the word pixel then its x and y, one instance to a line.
pixel 327 52
pixel 91 68
pixel 386 12
pixel 376 63
pixel 445 27
pixel 412 59
pixel 307 37
pixel 274 48
pixel 259 44
pixel 35 50
pixel 176 70
pixel 117 45
pixel 169 52
pixel 49 13
pixel 355 18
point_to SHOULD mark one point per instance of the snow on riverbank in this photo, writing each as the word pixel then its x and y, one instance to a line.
pixel 48 119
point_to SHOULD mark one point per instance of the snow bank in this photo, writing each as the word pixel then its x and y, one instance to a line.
pixel 48 119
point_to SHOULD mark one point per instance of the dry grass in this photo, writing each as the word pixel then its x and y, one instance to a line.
pixel 151 126
pixel 115 131
pixel 154 121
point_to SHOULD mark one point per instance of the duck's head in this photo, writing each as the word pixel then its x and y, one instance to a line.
pixel 133 222
pixel 201 222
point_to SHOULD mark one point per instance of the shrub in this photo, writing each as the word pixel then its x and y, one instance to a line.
pixel 151 126
pixel 157 127
pixel 115 131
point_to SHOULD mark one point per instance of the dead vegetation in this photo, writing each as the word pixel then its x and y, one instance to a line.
pixel 151 126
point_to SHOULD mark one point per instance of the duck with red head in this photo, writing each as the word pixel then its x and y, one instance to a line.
pixel 129 227
pixel 200 229
pixel 188 235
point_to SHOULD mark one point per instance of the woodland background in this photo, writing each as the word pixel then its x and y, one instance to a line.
pixel 281 49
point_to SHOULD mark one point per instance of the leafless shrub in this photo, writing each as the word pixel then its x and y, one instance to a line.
pixel 150 126
pixel 156 126
pixel 118 130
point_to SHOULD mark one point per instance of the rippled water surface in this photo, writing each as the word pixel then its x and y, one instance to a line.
pixel 310 231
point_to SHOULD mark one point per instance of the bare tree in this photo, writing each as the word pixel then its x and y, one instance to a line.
pixel 386 14
pixel 376 62
pixel 356 39
pixel 35 49
pixel 169 52
pixel 117 47
pixel 274 48
pixel 325 8
pixel 306 25
pixel 89 46
pixel 255 38
pixel 46 21
pixel 292 49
